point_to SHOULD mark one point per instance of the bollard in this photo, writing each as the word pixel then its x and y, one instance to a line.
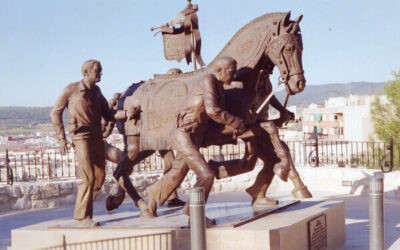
pixel 316 150
pixel 376 229
pixel 197 219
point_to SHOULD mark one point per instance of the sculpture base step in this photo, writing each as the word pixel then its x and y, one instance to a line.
pixel 239 226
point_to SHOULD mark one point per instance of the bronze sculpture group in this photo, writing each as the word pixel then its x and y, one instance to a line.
pixel 226 100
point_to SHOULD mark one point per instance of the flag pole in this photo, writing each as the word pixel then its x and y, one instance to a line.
pixel 192 47
pixel 193 52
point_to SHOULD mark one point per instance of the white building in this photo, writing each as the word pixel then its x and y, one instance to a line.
pixel 342 118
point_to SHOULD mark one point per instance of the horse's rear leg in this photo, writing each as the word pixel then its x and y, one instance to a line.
pixel 112 153
pixel 115 155
pixel 282 166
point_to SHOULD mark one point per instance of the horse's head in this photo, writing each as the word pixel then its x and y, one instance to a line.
pixel 284 50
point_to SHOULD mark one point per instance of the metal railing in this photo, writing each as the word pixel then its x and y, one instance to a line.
pixel 159 241
pixel 54 166
pixel 342 153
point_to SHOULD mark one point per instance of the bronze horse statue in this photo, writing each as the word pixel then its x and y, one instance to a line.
pixel 267 41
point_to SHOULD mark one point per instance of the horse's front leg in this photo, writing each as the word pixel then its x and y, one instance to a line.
pixel 282 167
pixel 299 190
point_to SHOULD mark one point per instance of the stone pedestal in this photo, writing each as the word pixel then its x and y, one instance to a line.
pixel 294 225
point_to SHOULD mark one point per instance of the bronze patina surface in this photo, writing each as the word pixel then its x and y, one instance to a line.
pixel 86 107
pixel 267 41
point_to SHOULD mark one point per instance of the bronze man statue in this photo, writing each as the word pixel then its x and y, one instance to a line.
pixel 203 102
pixel 86 106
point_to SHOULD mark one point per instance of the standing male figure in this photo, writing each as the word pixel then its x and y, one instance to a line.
pixel 203 102
pixel 86 106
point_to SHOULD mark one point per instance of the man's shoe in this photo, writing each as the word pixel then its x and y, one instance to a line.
pixel 88 223
pixel 265 201
pixel 144 209
pixel 175 202
pixel 147 214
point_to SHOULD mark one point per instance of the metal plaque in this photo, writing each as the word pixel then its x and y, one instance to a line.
pixel 317 236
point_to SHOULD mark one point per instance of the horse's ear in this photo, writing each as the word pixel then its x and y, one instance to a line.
pixel 286 21
pixel 296 25
pixel 298 19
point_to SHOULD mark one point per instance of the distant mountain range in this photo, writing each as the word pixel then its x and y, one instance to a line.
pixel 319 93
pixel 30 117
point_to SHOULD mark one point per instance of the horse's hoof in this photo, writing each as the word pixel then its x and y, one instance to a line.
pixel 110 205
pixel 301 192
pixel 254 193
pixel 210 222
pixel 265 201
pixel 147 214
pixel 251 192
pixel 281 171
pixel 218 169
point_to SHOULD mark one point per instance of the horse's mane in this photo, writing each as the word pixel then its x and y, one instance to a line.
pixel 253 38
pixel 246 46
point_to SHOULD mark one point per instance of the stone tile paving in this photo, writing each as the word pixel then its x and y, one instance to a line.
pixel 357 214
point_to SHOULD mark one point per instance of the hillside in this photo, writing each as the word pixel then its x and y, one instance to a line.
pixel 15 120
pixel 319 93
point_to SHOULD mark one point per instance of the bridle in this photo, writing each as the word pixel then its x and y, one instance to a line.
pixel 278 44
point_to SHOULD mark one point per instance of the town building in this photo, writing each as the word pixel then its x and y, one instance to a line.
pixel 341 118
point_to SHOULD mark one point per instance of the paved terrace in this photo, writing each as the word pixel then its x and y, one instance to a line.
pixel 323 182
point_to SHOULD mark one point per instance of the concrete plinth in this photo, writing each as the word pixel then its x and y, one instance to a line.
pixel 286 229
pixel 294 226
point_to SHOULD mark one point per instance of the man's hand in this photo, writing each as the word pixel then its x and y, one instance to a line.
pixel 240 129
pixel 289 115
pixel 63 146
pixel 286 116
pixel 133 113
pixel 250 117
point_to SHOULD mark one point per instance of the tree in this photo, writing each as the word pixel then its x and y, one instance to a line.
pixel 386 115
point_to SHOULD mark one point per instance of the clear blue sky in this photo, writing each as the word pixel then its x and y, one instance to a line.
pixel 44 42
